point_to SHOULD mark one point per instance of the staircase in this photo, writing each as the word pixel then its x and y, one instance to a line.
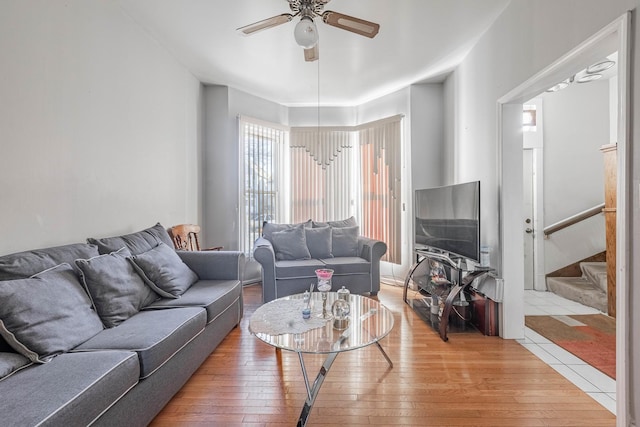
pixel 590 289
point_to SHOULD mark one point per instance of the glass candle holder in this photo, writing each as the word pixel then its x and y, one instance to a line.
pixel 324 276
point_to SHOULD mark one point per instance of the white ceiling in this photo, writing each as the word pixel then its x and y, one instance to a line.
pixel 419 40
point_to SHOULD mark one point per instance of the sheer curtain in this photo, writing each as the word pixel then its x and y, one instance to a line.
pixel 322 173
pixel 381 200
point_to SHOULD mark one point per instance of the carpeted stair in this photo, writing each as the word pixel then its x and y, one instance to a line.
pixel 589 290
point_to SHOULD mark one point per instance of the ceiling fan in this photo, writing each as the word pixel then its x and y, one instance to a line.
pixel 305 32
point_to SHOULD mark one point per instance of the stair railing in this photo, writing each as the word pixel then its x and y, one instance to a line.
pixel 573 219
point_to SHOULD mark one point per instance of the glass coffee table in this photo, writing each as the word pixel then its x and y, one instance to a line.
pixel 280 324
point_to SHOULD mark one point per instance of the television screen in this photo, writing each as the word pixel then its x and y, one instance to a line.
pixel 448 219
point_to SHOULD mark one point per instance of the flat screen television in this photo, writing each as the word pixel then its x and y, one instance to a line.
pixel 447 219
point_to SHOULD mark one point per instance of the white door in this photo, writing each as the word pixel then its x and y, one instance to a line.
pixel 527 220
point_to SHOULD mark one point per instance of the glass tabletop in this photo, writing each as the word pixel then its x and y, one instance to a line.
pixel 369 322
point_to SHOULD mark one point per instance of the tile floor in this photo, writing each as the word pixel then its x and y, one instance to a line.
pixel 589 379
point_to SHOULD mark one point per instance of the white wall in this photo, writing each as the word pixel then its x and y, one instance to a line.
pixel 428 167
pixel 326 116
pixel 99 126
pixel 576 126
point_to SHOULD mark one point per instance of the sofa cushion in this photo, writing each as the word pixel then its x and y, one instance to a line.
pixel 319 242
pixel 137 243
pixel 117 291
pixel 215 296
pixel 163 270
pixel 25 264
pixel 290 244
pixel 72 390
pixel 348 265
pixel 298 269
pixel 154 334
pixel 344 241
pixel 11 363
pixel 349 222
pixel 46 314
pixel 268 228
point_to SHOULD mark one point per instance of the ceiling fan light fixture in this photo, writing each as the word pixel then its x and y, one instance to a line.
pixel 558 87
pixel 600 66
pixel 589 78
pixel 306 33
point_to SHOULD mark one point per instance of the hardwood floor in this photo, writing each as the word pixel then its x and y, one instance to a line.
pixel 472 380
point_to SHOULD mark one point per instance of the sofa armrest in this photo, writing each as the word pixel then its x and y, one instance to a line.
pixel 215 265
pixel 264 254
pixel 370 249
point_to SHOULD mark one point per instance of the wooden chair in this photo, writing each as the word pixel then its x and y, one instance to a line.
pixel 185 238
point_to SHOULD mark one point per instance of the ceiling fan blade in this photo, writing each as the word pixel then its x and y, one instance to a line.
pixel 312 54
pixel 265 23
pixel 349 23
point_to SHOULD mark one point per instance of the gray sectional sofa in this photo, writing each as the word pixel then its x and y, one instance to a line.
pixel 106 332
pixel 291 253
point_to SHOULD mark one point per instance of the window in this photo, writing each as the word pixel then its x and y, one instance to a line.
pixel 323 174
pixel 262 147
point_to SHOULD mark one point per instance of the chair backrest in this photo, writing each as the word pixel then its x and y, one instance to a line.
pixel 185 237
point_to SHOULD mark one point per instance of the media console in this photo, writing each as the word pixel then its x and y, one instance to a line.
pixel 439 279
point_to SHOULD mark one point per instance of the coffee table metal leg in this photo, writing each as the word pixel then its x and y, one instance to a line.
pixel 384 353
pixel 312 392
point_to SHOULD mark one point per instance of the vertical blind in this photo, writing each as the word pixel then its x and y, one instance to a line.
pixel 321 174
pixel 381 201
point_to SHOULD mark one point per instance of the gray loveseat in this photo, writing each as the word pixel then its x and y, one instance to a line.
pixel 106 332
pixel 291 253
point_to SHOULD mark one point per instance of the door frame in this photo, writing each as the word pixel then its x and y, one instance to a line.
pixel 510 176
pixel 536 145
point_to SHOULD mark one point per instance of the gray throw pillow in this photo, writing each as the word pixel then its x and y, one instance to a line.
pixel 25 264
pixel 349 222
pixel 11 363
pixel 344 241
pixel 137 243
pixel 268 228
pixel 116 290
pixel 290 244
pixel 319 242
pixel 47 314
pixel 164 271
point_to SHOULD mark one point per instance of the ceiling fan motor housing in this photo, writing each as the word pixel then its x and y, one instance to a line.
pixel 307 8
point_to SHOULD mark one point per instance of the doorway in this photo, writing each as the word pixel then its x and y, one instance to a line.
pixel 511 181
pixel 528 194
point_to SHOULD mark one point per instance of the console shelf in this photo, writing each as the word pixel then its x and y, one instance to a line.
pixel 458 279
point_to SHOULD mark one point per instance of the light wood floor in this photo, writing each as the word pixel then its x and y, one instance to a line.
pixel 472 380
